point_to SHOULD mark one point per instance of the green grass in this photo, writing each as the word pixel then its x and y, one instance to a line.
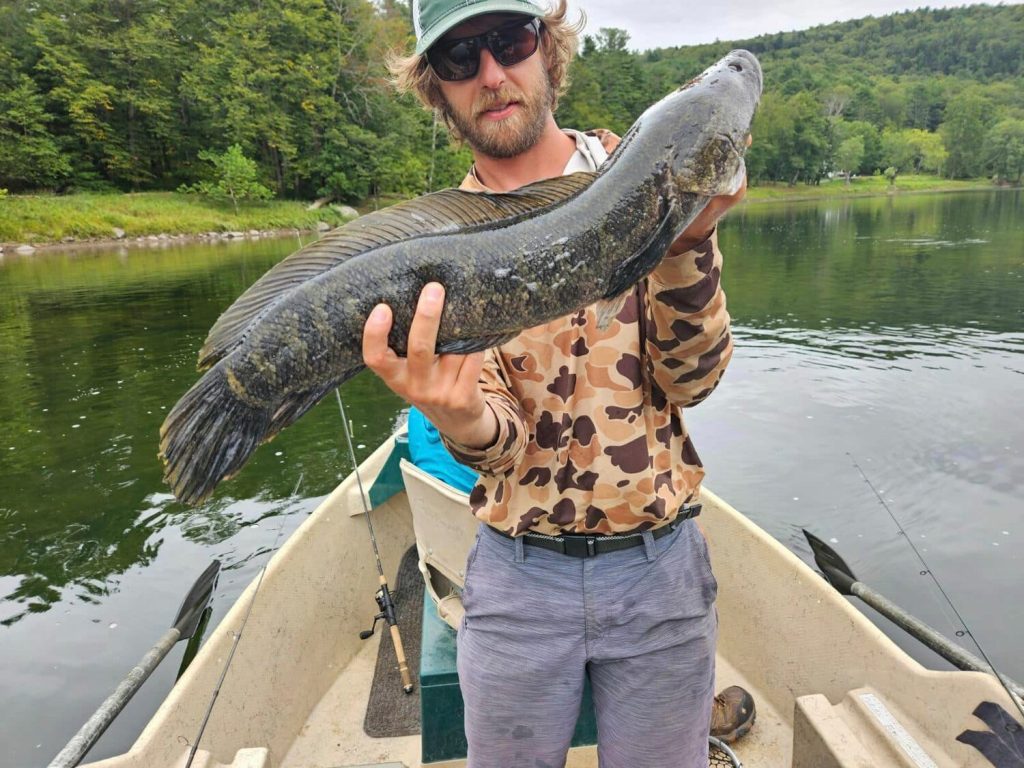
pixel 50 218
pixel 862 187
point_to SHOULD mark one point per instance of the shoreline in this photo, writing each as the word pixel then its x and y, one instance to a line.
pixel 162 240
pixel 803 197
pixel 755 196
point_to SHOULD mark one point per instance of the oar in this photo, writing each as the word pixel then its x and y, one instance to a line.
pixel 184 626
pixel 839 575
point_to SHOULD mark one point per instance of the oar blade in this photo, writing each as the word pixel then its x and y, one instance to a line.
pixel 195 602
pixel 832 566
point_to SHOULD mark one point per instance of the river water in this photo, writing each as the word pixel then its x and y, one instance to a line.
pixel 884 333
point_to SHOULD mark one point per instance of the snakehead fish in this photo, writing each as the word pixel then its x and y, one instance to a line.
pixel 508 262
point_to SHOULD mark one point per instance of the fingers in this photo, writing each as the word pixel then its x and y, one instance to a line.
pixel 377 355
pixel 448 367
pixel 446 386
pixel 467 382
pixel 423 331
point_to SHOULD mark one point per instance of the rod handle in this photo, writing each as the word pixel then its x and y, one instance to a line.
pixel 403 666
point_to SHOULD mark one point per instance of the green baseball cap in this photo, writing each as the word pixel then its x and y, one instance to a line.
pixel 432 18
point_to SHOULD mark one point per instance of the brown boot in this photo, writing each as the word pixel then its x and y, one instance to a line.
pixel 732 714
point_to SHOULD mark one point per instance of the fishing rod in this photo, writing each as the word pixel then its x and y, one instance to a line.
pixel 383 597
pixel 839 575
pixel 238 636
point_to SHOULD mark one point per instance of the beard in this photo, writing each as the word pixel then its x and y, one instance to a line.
pixel 508 137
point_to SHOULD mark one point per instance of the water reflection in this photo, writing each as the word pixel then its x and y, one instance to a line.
pixel 854 347
pixel 96 349
pixel 878 263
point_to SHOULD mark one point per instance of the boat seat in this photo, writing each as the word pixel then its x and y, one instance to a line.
pixel 445 531
pixel 861 731
pixel 251 757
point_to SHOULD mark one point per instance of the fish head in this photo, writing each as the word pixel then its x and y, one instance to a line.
pixel 708 126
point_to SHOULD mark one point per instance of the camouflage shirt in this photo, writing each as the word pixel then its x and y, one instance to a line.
pixel 590 428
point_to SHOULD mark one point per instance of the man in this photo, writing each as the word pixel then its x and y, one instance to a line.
pixel 590 563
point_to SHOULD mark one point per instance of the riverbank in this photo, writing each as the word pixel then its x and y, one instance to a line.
pixel 149 217
pixel 862 186
pixel 30 222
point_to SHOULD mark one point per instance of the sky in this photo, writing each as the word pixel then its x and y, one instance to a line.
pixel 662 23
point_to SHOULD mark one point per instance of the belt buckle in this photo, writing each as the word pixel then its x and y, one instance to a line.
pixel 689 511
pixel 579 546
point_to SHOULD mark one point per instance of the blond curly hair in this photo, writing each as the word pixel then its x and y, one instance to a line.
pixel 559 39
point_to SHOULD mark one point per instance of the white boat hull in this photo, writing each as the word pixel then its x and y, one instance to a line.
pixel 831 688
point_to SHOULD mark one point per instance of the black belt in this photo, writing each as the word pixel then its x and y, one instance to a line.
pixel 585 545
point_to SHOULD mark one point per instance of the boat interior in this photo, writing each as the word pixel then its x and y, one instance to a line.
pixel 832 691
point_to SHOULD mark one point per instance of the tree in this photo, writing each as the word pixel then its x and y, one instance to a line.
pixel 868 133
pixel 29 154
pixel 808 157
pixel 897 151
pixel 610 87
pixel 962 134
pixel 110 72
pixel 849 155
pixel 235 177
pixel 930 152
pixel 924 104
pixel 773 130
pixel 837 99
pixel 1004 150
pixel 75 86
pixel 583 106
pixel 126 93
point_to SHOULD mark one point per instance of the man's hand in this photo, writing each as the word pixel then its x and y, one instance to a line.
pixel 700 228
pixel 446 388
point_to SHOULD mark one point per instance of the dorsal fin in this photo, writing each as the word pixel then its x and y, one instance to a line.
pixel 441 212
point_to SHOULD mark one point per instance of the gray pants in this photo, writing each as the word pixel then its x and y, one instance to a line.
pixel 640 622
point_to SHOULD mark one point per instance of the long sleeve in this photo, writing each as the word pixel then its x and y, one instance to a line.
pixel 590 435
pixel 508 447
pixel 688 342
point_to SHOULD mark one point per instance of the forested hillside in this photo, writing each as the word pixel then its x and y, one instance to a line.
pixel 126 94
pixel 940 91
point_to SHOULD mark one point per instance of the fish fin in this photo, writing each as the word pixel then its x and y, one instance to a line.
pixel 468 346
pixel 208 435
pixel 608 309
pixel 438 213
pixel 296 405
pixel 546 192
pixel 640 264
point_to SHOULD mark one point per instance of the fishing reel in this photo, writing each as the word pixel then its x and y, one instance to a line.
pixel 387 612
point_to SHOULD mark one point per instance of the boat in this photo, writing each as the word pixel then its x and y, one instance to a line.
pixel 832 690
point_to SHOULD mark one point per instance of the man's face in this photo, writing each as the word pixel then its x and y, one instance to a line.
pixel 502 111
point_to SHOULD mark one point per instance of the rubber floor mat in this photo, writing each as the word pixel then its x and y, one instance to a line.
pixel 390 711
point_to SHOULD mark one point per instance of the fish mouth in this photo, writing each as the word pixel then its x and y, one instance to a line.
pixel 732 185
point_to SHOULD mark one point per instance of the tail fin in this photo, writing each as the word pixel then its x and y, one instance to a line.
pixel 208 436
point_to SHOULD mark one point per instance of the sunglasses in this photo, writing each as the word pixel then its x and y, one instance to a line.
pixel 459 58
